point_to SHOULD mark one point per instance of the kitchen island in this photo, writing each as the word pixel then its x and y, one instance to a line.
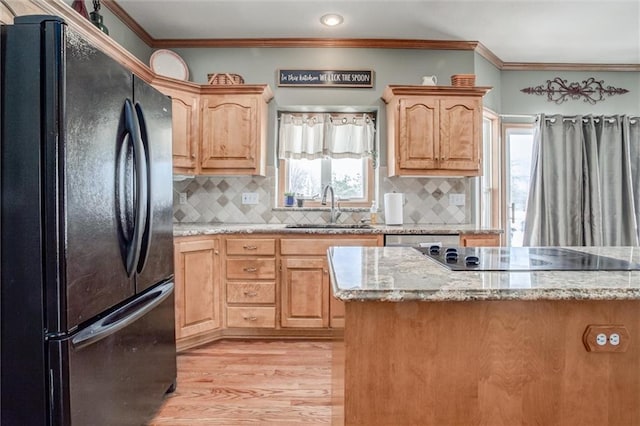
pixel 429 346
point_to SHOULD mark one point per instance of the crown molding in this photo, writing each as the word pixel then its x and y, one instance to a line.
pixel 126 19
pixel 371 43
pixel 483 51
pixel 540 66
pixel 87 29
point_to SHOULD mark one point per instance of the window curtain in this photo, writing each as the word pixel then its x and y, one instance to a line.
pixel 584 187
pixel 311 136
pixel 301 136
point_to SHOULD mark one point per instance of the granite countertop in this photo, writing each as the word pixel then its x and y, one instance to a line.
pixel 395 274
pixel 182 229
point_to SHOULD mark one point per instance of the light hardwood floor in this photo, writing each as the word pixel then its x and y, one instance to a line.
pixel 251 382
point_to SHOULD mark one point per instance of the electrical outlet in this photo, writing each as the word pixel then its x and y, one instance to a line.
pixel 614 339
pixel 606 338
pixel 183 198
pixel 249 198
pixel 456 199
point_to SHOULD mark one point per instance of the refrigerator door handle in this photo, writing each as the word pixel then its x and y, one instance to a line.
pixel 141 190
pixel 146 236
pixel 122 317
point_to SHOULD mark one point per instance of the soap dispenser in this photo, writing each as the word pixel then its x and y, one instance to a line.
pixel 373 213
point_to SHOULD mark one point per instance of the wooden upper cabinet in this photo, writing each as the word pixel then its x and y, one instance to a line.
pixel 185 103
pixel 185 132
pixel 234 129
pixel 418 133
pixel 218 129
pixel 434 130
pixel 460 134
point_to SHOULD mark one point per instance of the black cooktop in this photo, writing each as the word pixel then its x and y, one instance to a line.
pixel 523 259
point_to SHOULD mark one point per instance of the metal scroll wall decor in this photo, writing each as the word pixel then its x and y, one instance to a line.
pixel 590 90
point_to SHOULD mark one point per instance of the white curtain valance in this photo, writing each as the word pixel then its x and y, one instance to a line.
pixel 311 136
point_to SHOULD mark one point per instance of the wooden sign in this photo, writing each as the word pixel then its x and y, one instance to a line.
pixel 325 78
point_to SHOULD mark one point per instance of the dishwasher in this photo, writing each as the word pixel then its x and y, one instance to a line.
pixel 421 240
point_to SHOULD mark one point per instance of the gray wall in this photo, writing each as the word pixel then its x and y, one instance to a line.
pixel 390 66
pixel 516 102
pixel 488 75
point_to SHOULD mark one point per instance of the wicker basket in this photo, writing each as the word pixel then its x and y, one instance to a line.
pixel 463 80
pixel 224 79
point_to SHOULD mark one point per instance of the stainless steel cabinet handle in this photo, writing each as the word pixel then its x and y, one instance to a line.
pixel 250 247
pixel 250 269
pixel 513 212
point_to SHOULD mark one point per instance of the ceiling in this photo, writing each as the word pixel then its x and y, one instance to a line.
pixel 559 31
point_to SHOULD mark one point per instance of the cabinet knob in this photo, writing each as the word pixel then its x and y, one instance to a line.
pixel 325 271
pixel 216 252
pixel 250 293
pixel 250 269
pixel 250 247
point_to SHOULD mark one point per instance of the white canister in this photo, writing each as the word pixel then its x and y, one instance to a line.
pixel 429 80
pixel 393 203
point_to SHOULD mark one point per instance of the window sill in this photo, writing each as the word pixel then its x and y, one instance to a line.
pixel 318 209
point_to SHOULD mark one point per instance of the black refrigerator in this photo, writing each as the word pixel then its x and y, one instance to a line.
pixel 87 306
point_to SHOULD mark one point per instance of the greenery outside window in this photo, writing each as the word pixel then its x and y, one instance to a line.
pixel 327 148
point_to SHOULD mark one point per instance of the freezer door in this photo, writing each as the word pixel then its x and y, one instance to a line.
pixel 116 371
pixel 153 110
pixel 93 210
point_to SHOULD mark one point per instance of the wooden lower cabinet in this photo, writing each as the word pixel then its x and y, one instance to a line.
pixel 250 282
pixel 480 240
pixel 306 295
pixel 305 292
pixel 197 278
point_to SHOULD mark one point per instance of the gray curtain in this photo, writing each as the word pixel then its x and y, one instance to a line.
pixel 585 188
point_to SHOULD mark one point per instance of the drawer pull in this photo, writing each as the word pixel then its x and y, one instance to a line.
pixel 249 269
pixel 250 247
pixel 251 318
pixel 250 293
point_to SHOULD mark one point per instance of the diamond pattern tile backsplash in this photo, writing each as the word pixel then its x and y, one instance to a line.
pixel 213 199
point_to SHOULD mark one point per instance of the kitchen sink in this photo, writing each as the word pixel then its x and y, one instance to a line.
pixel 329 226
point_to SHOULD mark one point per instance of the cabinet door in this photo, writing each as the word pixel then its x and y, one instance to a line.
pixel 336 309
pixel 230 132
pixel 185 131
pixel 305 285
pixel 418 133
pixel 197 270
pixel 460 126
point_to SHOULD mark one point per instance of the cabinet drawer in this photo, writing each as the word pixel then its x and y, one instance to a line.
pixel 256 269
pixel 319 246
pixel 480 240
pixel 263 317
pixel 251 246
pixel 247 292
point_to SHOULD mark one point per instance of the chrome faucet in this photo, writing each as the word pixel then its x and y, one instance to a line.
pixel 334 214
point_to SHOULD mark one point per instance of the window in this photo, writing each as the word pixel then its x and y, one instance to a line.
pixel 518 150
pixel 488 206
pixel 317 149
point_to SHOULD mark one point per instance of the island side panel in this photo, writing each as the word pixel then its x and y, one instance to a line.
pixel 488 363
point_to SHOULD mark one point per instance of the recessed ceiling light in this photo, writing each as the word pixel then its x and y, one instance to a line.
pixel 331 19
